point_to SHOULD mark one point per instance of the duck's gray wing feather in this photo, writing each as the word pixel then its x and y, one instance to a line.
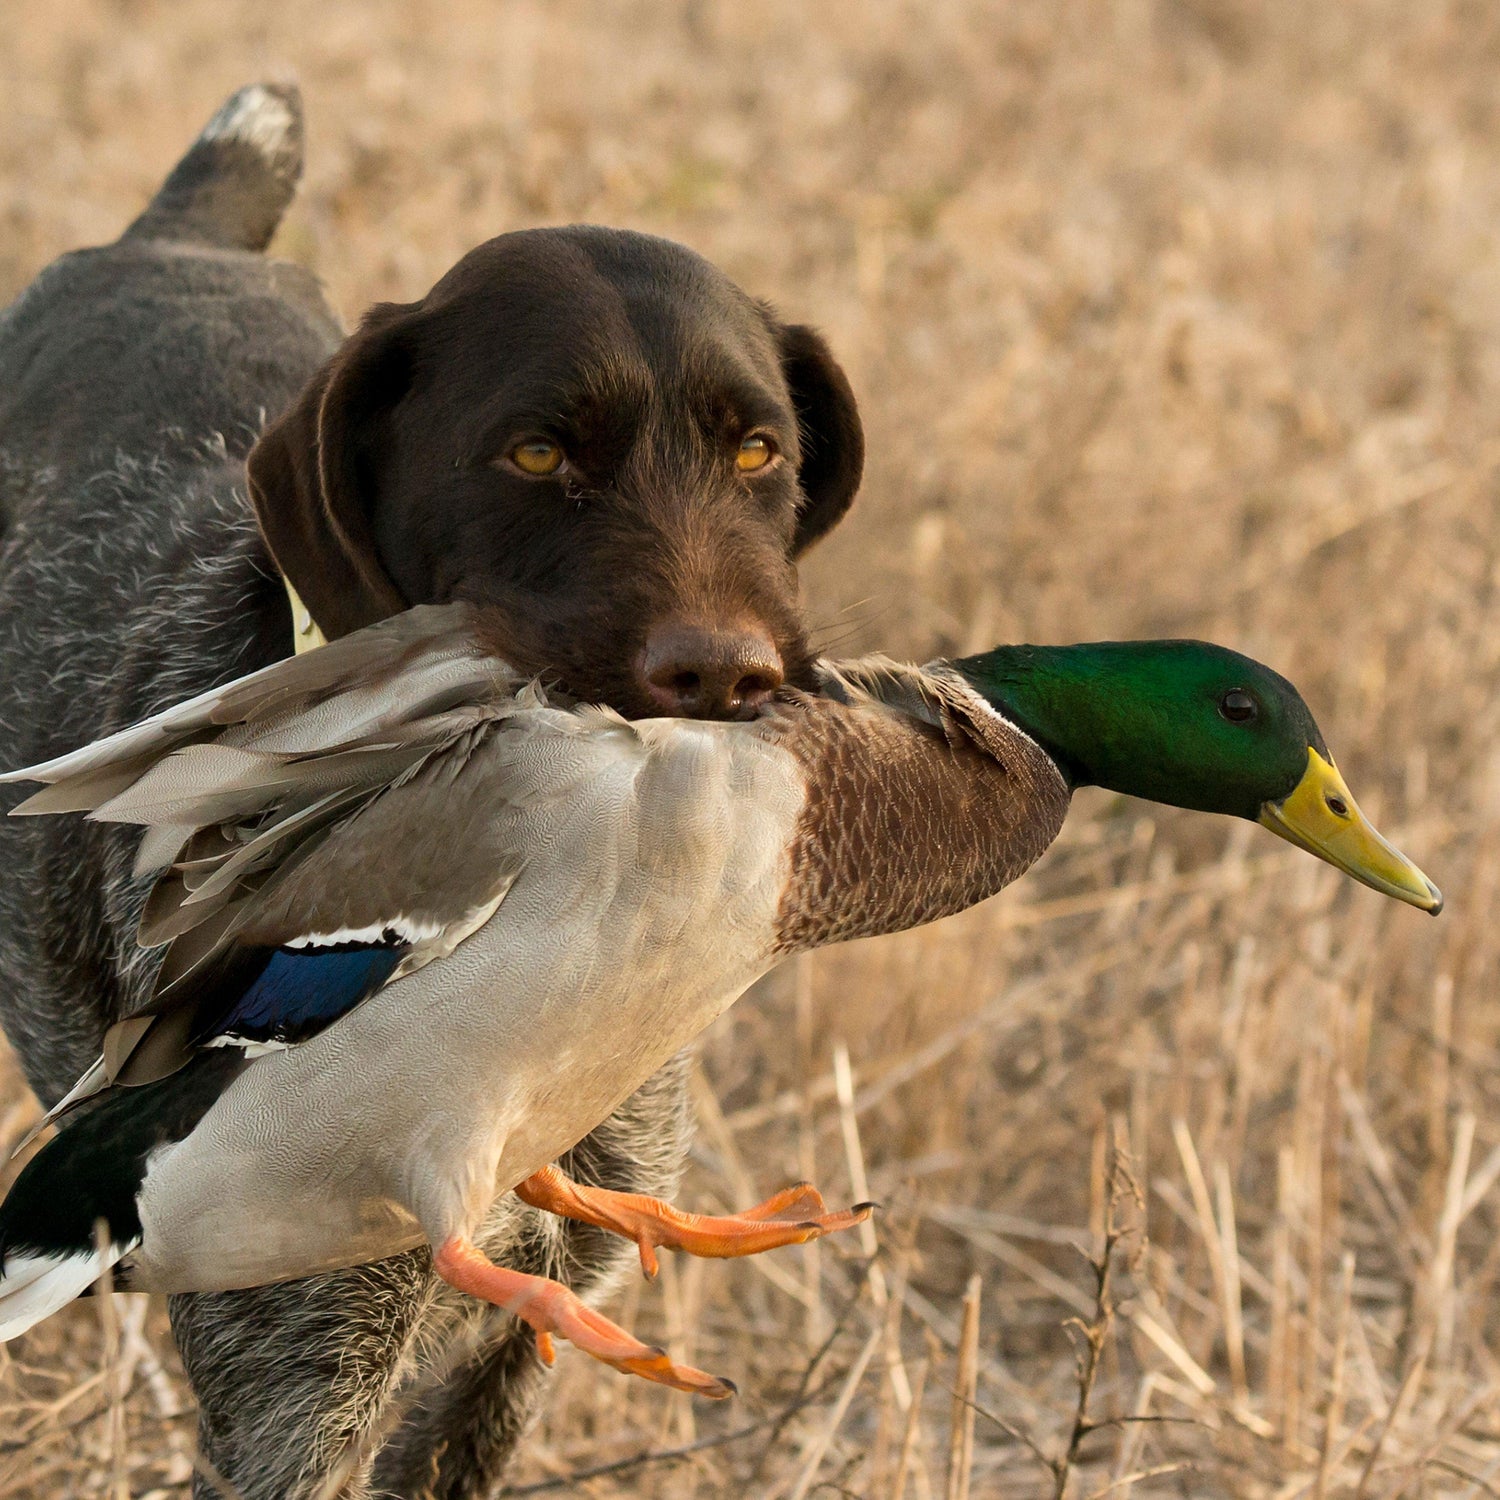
pixel 453 821
pixel 352 691
pixel 251 817
pixel 296 942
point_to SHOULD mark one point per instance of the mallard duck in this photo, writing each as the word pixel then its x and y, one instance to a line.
pixel 426 926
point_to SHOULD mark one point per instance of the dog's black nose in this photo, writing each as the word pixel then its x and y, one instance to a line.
pixel 699 672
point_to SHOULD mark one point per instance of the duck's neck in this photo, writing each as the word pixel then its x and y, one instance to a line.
pixel 1099 710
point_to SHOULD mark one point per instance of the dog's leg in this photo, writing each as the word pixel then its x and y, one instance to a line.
pixel 291 1379
pixel 459 1439
pixel 461 1432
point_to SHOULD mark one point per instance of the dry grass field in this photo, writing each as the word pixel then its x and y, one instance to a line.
pixel 1167 317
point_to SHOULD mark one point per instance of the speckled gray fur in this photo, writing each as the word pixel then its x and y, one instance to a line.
pixel 133 380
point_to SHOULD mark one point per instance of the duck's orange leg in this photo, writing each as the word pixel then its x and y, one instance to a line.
pixel 794 1216
pixel 550 1308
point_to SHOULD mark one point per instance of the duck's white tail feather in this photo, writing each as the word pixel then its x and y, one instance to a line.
pixel 34 1286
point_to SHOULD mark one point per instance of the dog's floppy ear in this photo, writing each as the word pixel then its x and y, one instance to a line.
pixel 832 437
pixel 313 478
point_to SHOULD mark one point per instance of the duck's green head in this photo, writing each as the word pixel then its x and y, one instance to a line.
pixel 1198 726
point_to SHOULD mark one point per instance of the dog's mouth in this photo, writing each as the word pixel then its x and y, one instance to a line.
pixel 619 676
pixel 623 691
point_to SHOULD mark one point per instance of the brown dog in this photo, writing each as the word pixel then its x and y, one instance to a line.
pixel 593 433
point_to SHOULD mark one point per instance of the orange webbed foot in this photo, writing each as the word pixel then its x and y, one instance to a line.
pixel 791 1217
pixel 551 1309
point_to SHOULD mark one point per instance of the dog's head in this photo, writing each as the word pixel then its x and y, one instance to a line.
pixel 596 435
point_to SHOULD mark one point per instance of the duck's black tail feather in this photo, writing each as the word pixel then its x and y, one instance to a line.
pixel 237 178
pixel 88 1174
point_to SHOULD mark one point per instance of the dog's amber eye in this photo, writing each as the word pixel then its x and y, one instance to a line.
pixel 755 453
pixel 538 457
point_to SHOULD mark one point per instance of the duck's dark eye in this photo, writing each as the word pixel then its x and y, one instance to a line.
pixel 1238 706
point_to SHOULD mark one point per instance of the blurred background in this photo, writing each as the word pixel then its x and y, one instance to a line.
pixel 1167 317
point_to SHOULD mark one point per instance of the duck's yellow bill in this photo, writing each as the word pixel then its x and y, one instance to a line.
pixel 1321 817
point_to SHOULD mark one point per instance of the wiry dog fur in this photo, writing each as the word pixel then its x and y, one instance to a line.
pixel 136 381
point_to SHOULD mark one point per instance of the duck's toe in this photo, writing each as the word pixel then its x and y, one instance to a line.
pixel 791 1217
pixel 552 1310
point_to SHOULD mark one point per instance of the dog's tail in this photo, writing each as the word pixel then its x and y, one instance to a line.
pixel 237 178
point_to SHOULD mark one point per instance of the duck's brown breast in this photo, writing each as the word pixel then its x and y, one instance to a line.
pixel 903 825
